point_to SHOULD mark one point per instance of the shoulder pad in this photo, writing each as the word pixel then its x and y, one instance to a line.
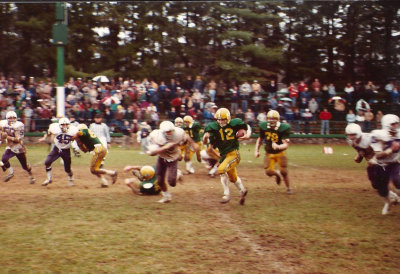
pixel 263 125
pixel 284 127
pixel 236 122
pixel 212 126
pixel 18 125
pixel 379 134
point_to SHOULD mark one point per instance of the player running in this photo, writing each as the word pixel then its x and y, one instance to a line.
pixel 192 128
pixel 88 141
pixel 222 135
pixel 275 136
pixel 165 142
pixel 62 139
pixel 386 145
pixel 13 132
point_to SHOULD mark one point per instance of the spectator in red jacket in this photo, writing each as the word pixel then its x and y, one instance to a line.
pixel 325 116
pixel 293 94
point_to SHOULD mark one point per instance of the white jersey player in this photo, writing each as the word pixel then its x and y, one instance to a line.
pixel 54 127
pixel 62 133
pixel 165 142
pixel 13 132
pixel 386 145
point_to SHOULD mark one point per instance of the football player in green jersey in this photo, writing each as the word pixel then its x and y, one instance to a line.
pixel 275 137
pixel 88 141
pixel 192 128
pixel 222 135
pixel 145 182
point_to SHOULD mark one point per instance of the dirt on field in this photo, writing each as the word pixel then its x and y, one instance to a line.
pixel 246 250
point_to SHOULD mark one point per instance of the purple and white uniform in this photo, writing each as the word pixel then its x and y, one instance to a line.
pixel 62 145
pixel 17 149
pixel 386 168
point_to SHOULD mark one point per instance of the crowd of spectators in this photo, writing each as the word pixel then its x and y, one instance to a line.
pixel 125 103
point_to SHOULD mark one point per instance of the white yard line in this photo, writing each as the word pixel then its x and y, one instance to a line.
pixel 267 256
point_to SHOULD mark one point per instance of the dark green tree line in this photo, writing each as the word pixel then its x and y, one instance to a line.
pixel 333 41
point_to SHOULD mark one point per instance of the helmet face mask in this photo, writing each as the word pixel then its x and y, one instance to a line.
pixel 147 172
pixel 223 117
pixel 167 128
pixel 178 122
pixel 353 133
pixel 64 124
pixel 11 117
pixel 273 118
pixel 188 120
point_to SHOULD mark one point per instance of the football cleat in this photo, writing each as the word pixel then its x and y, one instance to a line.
pixel 8 177
pixel 164 200
pixel 289 191
pixel 242 196
pixel 71 181
pixel 104 186
pixel 278 180
pixel 386 208
pixel 32 180
pixel 114 177
pixel 48 181
pixel 179 176
pixel 225 199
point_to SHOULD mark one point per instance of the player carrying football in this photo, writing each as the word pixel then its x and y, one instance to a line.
pixel 222 135
pixel 13 132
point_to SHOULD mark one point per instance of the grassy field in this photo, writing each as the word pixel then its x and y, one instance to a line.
pixel 331 224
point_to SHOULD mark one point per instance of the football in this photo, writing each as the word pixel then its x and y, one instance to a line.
pixel 240 133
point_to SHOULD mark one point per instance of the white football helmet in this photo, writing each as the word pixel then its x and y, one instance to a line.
pixel 11 117
pixel 390 123
pixel 353 132
pixel 64 124
pixel 167 128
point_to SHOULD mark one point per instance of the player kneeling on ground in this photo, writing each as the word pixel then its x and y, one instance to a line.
pixel 145 182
